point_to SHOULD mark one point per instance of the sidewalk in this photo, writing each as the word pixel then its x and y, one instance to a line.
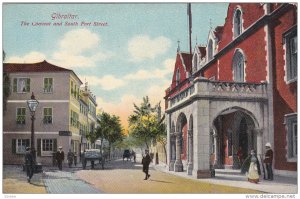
pixel 280 185
pixel 15 181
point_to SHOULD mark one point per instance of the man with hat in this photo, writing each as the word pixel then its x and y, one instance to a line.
pixel 60 156
pixel 29 164
pixel 146 161
pixel 268 161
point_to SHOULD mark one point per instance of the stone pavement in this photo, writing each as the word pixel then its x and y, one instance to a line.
pixel 280 185
pixel 63 182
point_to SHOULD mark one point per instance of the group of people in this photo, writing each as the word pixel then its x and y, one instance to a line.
pixel 30 160
pixel 252 165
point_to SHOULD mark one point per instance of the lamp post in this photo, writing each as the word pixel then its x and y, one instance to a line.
pixel 32 105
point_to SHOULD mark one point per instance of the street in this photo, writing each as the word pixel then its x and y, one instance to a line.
pixel 127 177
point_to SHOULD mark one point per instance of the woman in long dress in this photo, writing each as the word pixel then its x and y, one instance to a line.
pixel 254 168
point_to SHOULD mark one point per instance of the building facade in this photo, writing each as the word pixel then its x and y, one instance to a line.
pixel 59 117
pixel 238 92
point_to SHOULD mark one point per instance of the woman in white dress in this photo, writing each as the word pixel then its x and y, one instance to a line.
pixel 254 168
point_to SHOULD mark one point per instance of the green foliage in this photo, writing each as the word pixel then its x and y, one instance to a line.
pixel 110 128
pixel 144 125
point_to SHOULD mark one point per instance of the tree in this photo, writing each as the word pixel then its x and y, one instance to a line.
pixel 144 123
pixel 109 128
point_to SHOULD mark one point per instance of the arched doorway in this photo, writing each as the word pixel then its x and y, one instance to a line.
pixel 235 137
pixel 181 143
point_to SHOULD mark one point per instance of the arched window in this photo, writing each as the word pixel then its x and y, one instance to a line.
pixel 210 50
pixel 177 76
pixel 238 66
pixel 237 22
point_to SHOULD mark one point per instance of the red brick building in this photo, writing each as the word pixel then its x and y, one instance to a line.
pixel 239 91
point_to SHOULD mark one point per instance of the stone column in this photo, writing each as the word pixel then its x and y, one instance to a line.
pixel 172 152
pixel 178 166
pixel 190 155
pixel 259 136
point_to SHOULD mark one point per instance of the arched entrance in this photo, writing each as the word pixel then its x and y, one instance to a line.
pixel 234 138
pixel 181 143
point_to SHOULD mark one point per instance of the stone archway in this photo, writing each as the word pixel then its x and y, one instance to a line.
pixel 235 128
pixel 181 142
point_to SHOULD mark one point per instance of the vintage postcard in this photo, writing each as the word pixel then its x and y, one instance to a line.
pixel 150 98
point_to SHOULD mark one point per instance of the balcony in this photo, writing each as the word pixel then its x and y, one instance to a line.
pixel 220 90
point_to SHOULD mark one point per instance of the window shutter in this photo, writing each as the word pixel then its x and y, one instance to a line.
pixel 15 85
pixel 54 145
pixel 38 147
pixel 13 146
pixel 28 85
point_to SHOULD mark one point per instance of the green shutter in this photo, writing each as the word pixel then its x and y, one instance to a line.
pixel 13 146
pixel 38 147
pixel 54 145
pixel 28 85
pixel 15 85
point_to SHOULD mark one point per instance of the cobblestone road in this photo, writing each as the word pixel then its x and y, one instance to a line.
pixel 65 182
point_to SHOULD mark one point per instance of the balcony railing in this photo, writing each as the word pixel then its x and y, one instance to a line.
pixel 204 88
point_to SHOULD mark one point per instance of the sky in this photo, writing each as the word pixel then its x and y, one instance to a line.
pixel 127 54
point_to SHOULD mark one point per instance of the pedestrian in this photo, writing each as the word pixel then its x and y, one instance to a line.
pixel 254 168
pixel 29 164
pixel 60 156
pixel 146 161
pixel 268 161
pixel 70 157
pixel 134 155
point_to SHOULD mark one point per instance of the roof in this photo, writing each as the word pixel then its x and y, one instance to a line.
pixel 218 32
pixel 32 67
pixel 43 66
pixel 187 59
pixel 202 50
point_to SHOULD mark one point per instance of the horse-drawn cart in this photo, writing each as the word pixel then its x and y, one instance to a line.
pixel 92 155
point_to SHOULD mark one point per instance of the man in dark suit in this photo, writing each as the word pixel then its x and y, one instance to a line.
pixel 268 161
pixel 146 161
pixel 60 156
pixel 29 164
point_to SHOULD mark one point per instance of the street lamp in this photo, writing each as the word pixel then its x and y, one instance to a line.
pixel 32 105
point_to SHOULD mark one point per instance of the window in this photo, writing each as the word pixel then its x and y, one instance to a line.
pixel 71 88
pixel 210 50
pixel 292 136
pixel 21 115
pixel 237 23
pixel 47 115
pixel 21 145
pixel 177 77
pixel 238 66
pixel 47 145
pixel 21 85
pixel 48 85
pixel 74 119
pixel 290 40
